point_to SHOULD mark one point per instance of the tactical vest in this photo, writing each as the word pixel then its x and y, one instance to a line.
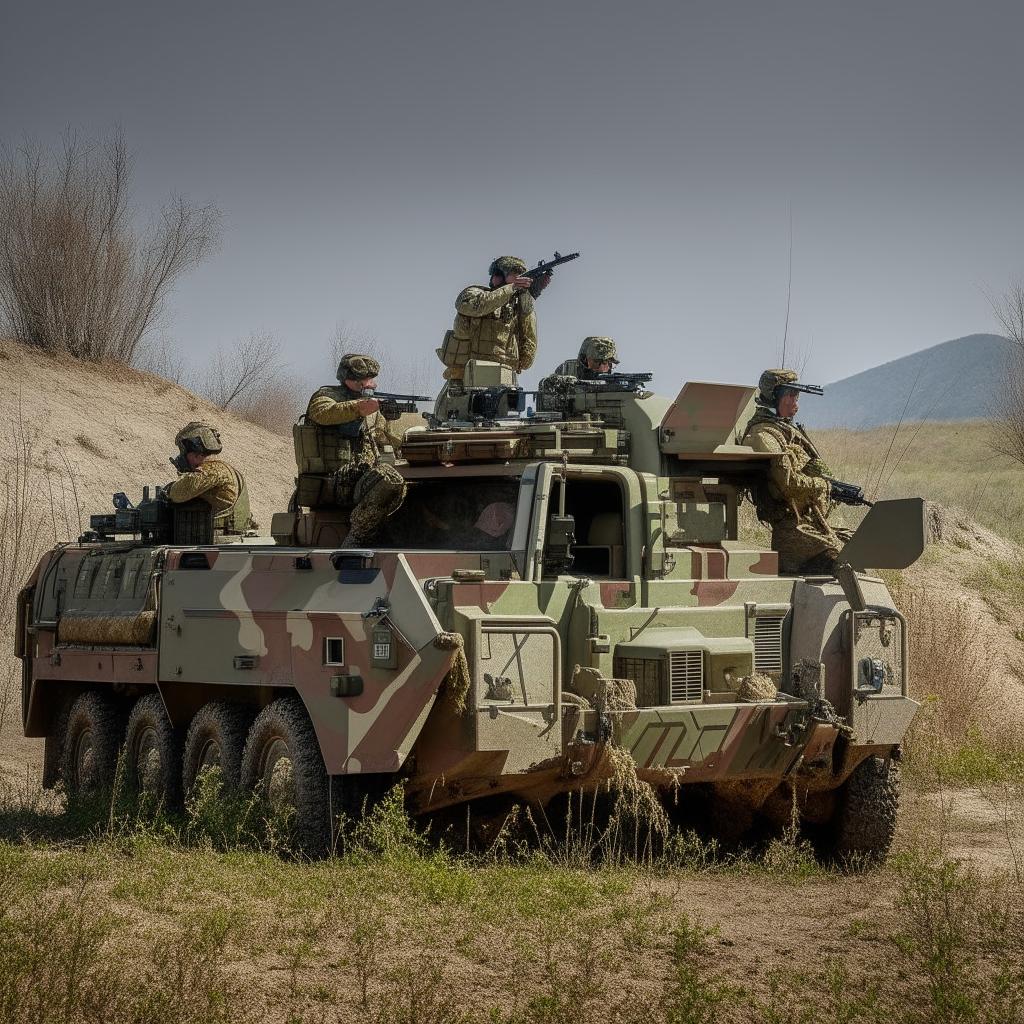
pixel 237 518
pixel 320 451
pixel 491 337
pixel 769 503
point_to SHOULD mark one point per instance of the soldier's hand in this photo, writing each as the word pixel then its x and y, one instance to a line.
pixel 522 283
pixel 542 282
pixel 367 406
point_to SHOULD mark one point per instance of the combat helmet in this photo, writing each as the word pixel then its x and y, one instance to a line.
pixel 769 384
pixel 600 349
pixel 506 265
pixel 356 366
pixel 198 437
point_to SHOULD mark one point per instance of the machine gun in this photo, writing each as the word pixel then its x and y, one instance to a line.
pixel 847 494
pixel 616 382
pixel 152 520
pixel 393 405
pixel 547 267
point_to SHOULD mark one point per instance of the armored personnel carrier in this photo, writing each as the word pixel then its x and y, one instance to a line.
pixel 558 583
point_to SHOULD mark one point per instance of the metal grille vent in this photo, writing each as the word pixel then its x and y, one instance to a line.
pixel 768 644
pixel 686 676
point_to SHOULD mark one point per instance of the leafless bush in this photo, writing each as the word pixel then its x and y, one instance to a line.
pixel 237 375
pixel 160 357
pixel 1008 436
pixel 75 276
pixel 276 405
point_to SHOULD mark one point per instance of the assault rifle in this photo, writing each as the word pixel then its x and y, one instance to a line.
pixel 391 405
pixel 847 494
pixel 543 268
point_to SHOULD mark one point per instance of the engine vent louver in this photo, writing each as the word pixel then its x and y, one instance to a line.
pixel 768 644
pixel 686 676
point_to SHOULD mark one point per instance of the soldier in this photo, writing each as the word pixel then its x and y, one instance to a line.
pixel 496 322
pixel 369 489
pixel 597 355
pixel 796 500
pixel 201 475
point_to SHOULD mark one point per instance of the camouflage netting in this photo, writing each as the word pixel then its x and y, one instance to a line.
pixel 135 629
pixel 457 681
pixel 603 694
pixel 756 689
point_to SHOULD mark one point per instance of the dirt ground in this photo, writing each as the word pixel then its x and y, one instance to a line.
pixel 115 426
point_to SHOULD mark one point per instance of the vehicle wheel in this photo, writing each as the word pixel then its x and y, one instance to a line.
pixel 216 737
pixel 92 741
pixel 865 820
pixel 282 759
pixel 153 752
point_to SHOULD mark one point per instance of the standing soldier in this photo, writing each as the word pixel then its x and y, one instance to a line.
pixel 796 499
pixel 356 432
pixel 496 322
pixel 597 355
pixel 213 480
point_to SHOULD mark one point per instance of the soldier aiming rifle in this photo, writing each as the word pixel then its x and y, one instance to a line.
pixel 798 495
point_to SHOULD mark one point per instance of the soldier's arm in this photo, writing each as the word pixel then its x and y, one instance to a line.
pixel 527 332
pixel 476 301
pixel 327 412
pixel 193 484
pixel 786 470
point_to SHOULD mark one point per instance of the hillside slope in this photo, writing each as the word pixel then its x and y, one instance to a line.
pixel 952 381
pixel 114 427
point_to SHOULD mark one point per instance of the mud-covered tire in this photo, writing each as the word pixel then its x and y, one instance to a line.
pixel 216 737
pixel 864 824
pixel 93 732
pixel 152 753
pixel 282 761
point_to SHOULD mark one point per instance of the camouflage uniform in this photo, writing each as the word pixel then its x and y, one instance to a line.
pixel 214 481
pixel 598 348
pixel 369 489
pixel 497 324
pixel 795 500
pixel 217 482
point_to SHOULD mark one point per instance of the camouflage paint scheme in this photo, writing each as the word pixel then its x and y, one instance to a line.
pixel 259 621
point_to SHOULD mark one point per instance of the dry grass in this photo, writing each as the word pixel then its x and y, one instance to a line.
pixel 141 924
pixel 951 463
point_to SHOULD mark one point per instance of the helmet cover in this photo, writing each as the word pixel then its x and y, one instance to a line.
pixel 506 265
pixel 198 437
pixel 600 349
pixel 354 366
pixel 771 381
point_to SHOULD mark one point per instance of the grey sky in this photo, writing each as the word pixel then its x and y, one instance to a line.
pixel 370 160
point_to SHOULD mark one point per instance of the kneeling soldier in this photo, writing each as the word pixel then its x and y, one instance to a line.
pixel 796 500
pixel 368 489
pixel 213 480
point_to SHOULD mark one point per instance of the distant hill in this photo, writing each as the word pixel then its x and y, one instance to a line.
pixel 952 381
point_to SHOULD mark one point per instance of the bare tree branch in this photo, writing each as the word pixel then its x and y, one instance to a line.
pixel 237 374
pixel 75 275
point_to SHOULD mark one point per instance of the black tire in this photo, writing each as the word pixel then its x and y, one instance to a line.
pixel 282 760
pixel 864 824
pixel 93 733
pixel 153 750
pixel 216 736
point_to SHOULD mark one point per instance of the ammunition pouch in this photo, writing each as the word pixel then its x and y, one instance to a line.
pixel 320 450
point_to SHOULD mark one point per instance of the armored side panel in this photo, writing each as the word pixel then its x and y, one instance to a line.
pixel 708 420
pixel 892 536
pixel 354 636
